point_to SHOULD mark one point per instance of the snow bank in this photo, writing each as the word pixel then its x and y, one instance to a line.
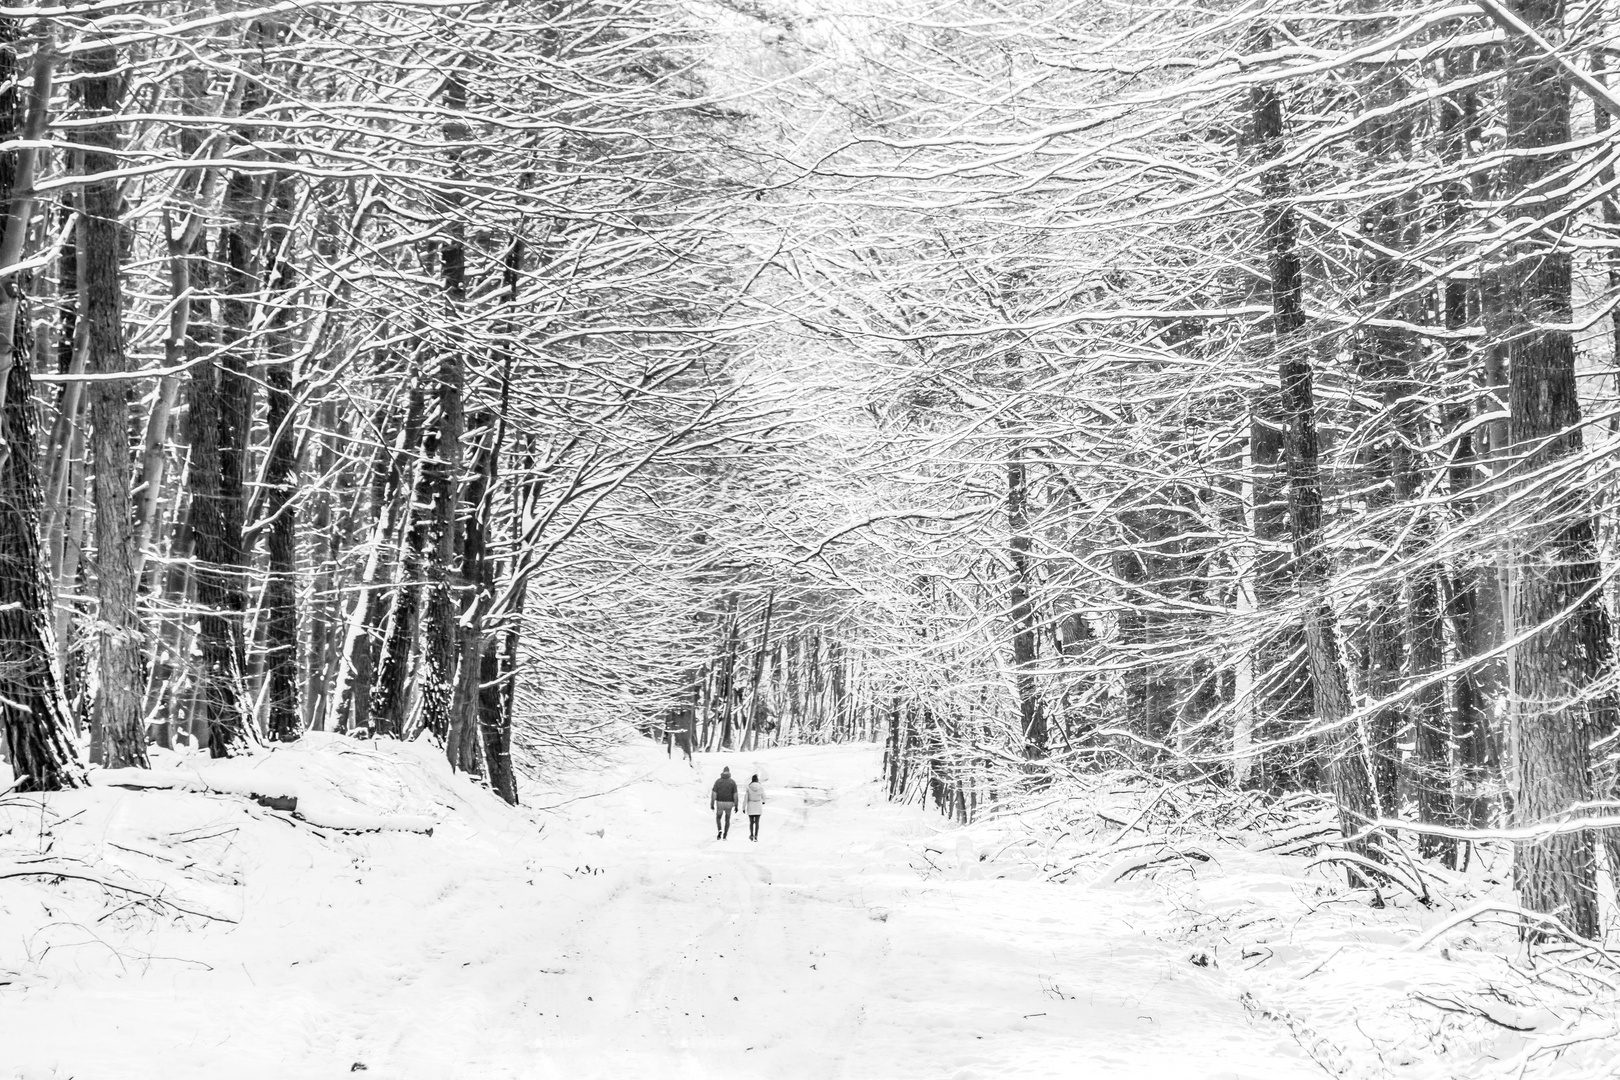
pixel 325 780
pixel 1423 975
pixel 165 923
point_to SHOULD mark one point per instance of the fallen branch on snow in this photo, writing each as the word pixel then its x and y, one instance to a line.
pixel 1454 1005
pixel 335 818
pixel 1544 923
pixel 1126 867
pixel 1383 870
pixel 95 879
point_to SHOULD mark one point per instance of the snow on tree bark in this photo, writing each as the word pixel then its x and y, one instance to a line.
pixel 119 630
pixel 1553 551
pixel 34 717
pixel 1339 742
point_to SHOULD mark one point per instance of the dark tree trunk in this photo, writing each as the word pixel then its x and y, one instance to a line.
pixel 333 534
pixel 226 551
pixel 838 668
pixel 390 697
pixel 892 747
pixel 61 460
pixel 442 470
pixel 441 467
pixel 1473 596
pixel 1598 648
pixel 222 679
pixel 751 721
pixel 1021 608
pixel 479 732
pixel 1554 557
pixel 1343 753
pixel 390 510
pixel 494 704
pixel 237 242
pixel 34 717
pixel 221 690
pixel 728 668
pixel 285 721
pixel 120 631
pixel 34 711
pixel 495 722
pixel 511 652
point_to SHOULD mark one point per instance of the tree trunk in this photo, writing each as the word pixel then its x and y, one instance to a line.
pixel 750 731
pixel 389 696
pixel 793 661
pixel 333 534
pixel 221 680
pixel 728 668
pixel 511 649
pixel 285 722
pixel 119 629
pixel 1553 557
pixel 34 717
pixel 496 681
pixel 478 730
pixel 1472 595
pixel 367 630
pixel 442 469
pixel 1021 608
pixel 495 722
pixel 225 391
pixel 1343 753
pixel 839 672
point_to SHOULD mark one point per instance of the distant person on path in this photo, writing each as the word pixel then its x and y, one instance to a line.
pixel 754 805
pixel 722 798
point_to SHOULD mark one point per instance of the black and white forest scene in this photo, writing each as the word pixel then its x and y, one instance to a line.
pixel 810 539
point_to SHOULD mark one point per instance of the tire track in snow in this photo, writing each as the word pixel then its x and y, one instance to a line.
pixel 818 953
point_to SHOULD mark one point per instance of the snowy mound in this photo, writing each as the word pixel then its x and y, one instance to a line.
pixel 323 779
pixel 242 918
pixel 1419 971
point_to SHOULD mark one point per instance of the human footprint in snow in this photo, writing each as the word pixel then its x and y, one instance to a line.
pixel 722 798
pixel 754 805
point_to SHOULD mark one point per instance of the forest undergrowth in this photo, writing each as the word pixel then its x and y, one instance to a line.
pixel 1420 970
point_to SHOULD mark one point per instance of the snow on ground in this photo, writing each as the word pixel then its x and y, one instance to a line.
pixel 1428 980
pixel 188 931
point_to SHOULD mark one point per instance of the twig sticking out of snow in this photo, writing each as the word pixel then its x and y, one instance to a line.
pixel 1330 1058
pixel 1128 826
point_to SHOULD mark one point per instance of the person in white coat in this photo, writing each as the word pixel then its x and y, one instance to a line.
pixel 754 805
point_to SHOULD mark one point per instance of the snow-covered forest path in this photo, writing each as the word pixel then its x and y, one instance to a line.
pixel 821 952
pixel 610 935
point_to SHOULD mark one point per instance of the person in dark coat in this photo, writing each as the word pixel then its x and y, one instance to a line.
pixel 722 800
